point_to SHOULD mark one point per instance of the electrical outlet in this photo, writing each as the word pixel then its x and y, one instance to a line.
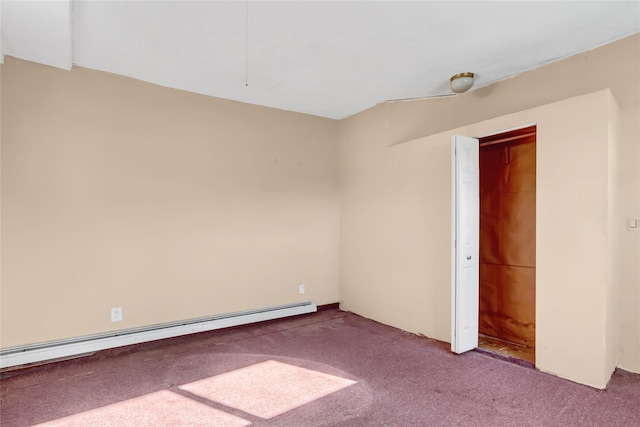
pixel 116 314
pixel 301 289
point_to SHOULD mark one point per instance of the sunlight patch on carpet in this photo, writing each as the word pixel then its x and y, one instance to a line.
pixel 163 408
pixel 267 389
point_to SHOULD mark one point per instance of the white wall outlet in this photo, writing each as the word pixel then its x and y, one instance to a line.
pixel 633 224
pixel 301 289
pixel 116 314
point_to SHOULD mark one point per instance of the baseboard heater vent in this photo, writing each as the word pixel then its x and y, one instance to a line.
pixel 23 355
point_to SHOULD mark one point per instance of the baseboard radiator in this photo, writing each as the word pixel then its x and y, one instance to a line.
pixel 49 351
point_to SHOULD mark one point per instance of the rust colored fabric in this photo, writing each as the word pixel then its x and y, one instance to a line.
pixel 507 241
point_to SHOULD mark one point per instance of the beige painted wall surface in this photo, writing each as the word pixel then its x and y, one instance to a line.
pixel 408 219
pixel 0 197
pixel 614 246
pixel 171 205
pixel 395 211
pixel 572 239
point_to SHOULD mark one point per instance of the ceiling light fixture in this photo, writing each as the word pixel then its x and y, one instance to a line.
pixel 461 82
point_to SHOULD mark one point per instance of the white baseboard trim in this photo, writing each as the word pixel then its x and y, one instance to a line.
pixel 23 355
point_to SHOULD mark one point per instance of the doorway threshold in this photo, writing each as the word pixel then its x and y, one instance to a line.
pixel 507 351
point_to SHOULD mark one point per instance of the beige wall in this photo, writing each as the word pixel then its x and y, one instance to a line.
pixel 573 279
pixel 395 208
pixel 572 267
pixel 174 205
pixel 615 234
pixel 168 204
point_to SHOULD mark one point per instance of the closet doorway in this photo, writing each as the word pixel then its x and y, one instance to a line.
pixel 508 243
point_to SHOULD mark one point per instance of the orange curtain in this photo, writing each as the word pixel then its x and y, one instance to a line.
pixel 507 240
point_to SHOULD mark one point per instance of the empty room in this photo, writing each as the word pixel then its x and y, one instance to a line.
pixel 319 213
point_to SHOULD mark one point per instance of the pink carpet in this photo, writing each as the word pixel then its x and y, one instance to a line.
pixel 267 389
pixel 329 368
pixel 159 409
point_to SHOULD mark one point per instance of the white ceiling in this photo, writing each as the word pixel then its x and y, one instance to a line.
pixel 326 58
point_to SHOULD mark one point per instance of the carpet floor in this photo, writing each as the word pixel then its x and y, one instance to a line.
pixel 329 368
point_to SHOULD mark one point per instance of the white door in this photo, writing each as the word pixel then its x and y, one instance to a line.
pixel 465 244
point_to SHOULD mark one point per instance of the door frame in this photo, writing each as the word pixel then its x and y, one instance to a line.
pixel 457 293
